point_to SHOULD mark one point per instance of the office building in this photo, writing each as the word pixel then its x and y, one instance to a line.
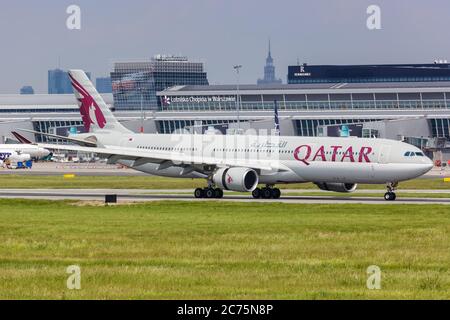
pixel 432 72
pixel 269 71
pixel 135 84
pixel 27 90
pixel 103 85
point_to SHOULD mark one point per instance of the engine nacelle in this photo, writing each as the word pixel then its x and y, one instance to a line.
pixel 336 187
pixel 236 179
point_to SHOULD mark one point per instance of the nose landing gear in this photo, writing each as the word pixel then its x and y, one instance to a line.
pixel 390 194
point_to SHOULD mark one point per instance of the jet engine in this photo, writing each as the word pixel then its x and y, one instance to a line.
pixel 336 187
pixel 236 179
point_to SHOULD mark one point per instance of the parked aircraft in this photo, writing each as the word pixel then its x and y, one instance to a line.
pixel 22 152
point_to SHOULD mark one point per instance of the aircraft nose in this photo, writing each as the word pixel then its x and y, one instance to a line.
pixel 430 164
pixel 45 152
pixel 425 165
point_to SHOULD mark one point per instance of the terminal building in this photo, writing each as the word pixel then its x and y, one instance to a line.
pixel 414 111
pixel 431 72
pixel 305 108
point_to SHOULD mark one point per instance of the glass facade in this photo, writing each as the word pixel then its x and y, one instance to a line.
pixel 55 127
pixel 303 102
pixel 368 73
pixel 103 85
pixel 308 127
pixel 353 104
pixel 440 128
pixel 169 126
pixel 135 84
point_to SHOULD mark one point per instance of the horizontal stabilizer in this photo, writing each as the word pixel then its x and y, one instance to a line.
pixel 80 142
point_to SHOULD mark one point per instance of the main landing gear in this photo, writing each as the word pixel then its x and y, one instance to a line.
pixel 266 193
pixel 390 194
pixel 209 193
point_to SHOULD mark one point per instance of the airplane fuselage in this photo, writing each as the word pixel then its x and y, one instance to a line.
pixel 35 152
pixel 302 159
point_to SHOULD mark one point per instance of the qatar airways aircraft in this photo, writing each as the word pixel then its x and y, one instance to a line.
pixel 242 162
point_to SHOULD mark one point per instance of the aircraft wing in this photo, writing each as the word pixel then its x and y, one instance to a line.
pixel 177 158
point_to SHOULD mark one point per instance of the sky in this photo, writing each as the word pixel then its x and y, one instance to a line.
pixel 220 33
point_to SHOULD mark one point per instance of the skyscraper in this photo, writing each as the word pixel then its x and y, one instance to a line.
pixel 103 85
pixel 135 83
pixel 27 90
pixel 59 82
pixel 269 71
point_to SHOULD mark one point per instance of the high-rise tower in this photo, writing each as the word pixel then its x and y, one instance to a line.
pixel 269 71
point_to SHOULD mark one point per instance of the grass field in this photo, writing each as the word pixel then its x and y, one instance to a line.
pixel 223 250
pixel 153 182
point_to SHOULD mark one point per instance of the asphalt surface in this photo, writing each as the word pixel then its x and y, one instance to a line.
pixel 141 196
pixel 101 169
pixel 80 169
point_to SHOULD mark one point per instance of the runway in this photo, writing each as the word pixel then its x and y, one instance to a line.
pixel 160 195
pixel 102 169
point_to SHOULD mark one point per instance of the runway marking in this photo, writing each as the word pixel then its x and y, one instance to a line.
pixel 129 196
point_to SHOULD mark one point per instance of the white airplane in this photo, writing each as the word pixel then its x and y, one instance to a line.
pixel 242 162
pixel 21 152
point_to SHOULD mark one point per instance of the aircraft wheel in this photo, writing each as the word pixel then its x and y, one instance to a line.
pixel 390 196
pixel 209 193
pixel 266 193
pixel 276 193
pixel 218 193
pixel 198 193
pixel 256 193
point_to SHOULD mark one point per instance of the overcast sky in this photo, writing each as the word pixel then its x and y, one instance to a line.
pixel 219 33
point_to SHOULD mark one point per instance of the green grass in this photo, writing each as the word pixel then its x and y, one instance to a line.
pixel 371 195
pixel 218 250
pixel 153 182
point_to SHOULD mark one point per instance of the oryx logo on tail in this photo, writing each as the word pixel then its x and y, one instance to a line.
pixel 89 109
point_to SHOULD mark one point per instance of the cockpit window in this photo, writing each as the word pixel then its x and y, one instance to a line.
pixel 414 154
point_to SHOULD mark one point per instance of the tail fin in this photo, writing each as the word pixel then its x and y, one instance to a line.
pixel 21 138
pixel 276 119
pixel 95 113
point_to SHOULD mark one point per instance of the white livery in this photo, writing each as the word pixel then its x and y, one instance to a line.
pixel 242 162
pixel 15 153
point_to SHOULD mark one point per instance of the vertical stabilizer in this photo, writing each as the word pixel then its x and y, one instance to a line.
pixel 94 112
